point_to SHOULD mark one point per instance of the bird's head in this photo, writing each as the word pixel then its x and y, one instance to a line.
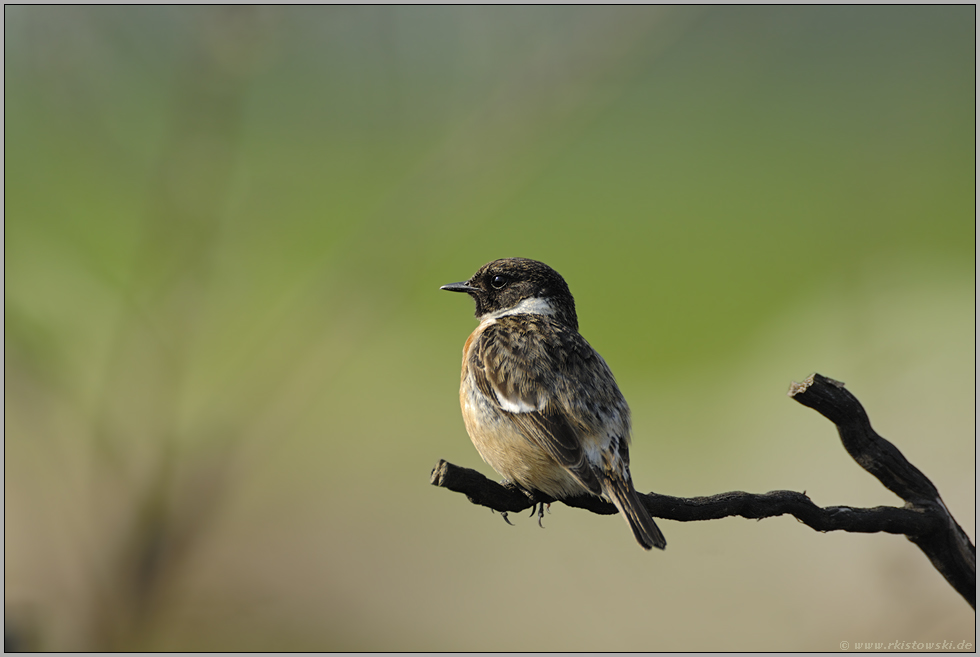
pixel 513 286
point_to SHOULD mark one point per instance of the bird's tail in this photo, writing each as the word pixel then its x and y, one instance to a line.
pixel 644 529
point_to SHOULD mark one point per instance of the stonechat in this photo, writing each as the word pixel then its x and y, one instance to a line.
pixel 540 405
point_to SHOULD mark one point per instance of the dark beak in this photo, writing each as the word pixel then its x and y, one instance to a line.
pixel 459 287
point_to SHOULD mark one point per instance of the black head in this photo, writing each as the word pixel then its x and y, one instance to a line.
pixel 503 285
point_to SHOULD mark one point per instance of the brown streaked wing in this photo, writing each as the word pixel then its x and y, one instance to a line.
pixel 501 365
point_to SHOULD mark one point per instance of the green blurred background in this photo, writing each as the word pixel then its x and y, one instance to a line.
pixel 229 369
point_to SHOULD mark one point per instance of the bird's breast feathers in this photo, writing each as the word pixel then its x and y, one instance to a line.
pixel 536 395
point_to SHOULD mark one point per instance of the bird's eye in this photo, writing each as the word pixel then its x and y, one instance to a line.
pixel 498 282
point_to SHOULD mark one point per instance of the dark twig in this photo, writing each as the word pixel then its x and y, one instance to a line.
pixel 924 519
pixel 947 545
pixel 480 490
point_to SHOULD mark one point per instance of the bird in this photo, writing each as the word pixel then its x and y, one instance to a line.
pixel 540 405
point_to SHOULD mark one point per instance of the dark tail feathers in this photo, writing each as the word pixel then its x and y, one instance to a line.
pixel 644 529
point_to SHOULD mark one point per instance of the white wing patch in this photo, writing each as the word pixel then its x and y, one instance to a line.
pixel 529 306
pixel 517 405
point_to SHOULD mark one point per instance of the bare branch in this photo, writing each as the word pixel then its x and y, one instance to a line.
pixel 947 546
pixel 480 490
pixel 924 519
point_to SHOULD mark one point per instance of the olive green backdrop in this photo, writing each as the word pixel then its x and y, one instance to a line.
pixel 229 368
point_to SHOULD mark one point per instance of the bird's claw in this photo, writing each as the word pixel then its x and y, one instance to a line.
pixel 540 509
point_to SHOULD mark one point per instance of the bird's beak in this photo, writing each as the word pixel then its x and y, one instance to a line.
pixel 460 287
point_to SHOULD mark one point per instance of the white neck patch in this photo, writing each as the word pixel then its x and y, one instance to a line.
pixel 531 306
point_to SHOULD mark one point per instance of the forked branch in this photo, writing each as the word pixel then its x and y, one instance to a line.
pixel 924 519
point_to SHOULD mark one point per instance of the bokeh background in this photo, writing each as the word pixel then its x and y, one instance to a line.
pixel 228 369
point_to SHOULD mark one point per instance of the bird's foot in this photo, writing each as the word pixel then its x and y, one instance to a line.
pixel 540 507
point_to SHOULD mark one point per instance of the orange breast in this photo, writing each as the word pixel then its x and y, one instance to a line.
pixel 502 445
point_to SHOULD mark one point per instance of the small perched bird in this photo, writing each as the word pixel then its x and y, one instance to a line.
pixel 540 405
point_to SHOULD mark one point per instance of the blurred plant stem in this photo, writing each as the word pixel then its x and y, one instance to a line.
pixel 141 455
